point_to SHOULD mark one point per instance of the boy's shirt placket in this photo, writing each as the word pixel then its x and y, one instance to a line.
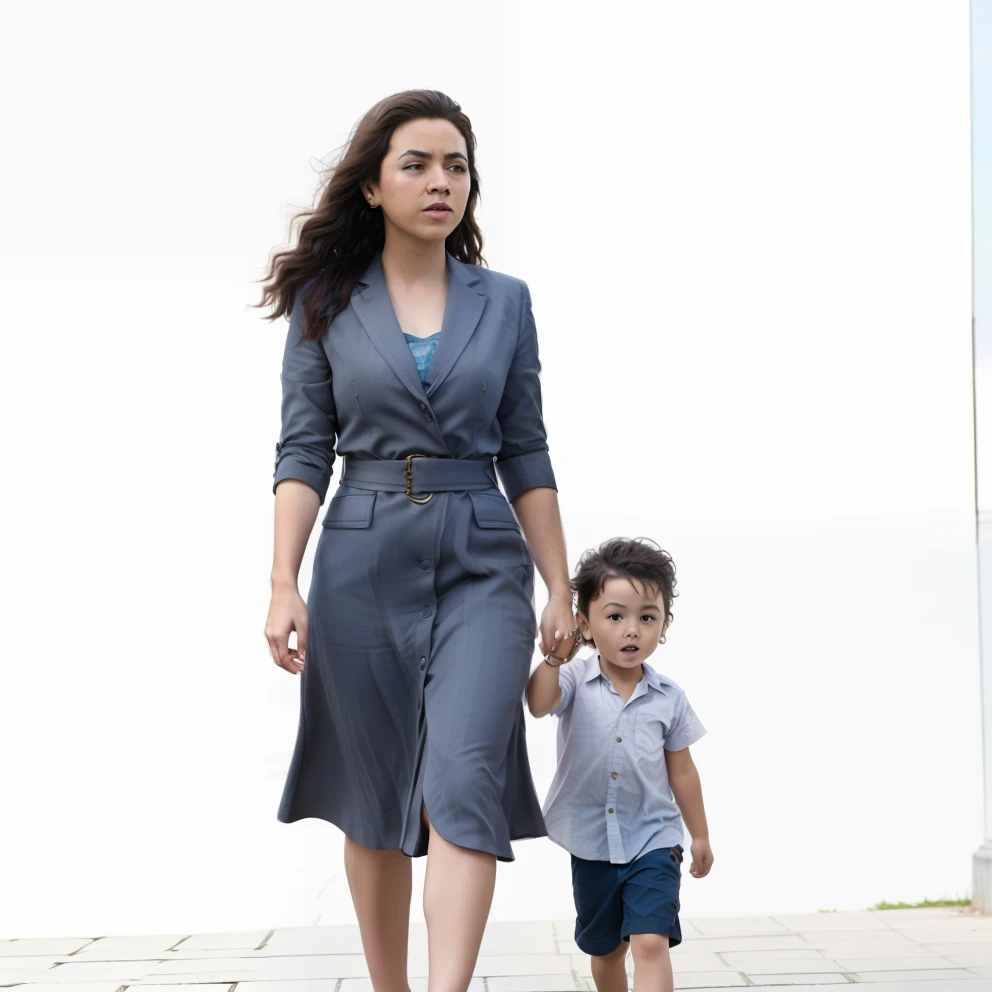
pixel 621 753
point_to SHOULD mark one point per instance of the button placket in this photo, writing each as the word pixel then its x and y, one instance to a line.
pixel 614 767
pixel 426 564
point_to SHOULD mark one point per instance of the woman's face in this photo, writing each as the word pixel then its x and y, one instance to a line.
pixel 423 181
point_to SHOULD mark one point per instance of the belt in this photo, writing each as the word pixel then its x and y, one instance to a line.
pixel 430 475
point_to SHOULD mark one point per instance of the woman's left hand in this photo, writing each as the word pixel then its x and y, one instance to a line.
pixel 558 630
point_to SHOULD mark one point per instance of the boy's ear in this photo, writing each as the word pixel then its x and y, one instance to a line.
pixel 664 630
pixel 583 622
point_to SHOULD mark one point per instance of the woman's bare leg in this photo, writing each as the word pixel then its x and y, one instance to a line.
pixel 458 893
pixel 381 883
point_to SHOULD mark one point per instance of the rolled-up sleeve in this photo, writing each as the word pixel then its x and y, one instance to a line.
pixel 523 461
pixel 305 450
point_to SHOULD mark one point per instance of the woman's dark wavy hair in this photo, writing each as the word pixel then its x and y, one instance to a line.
pixel 624 558
pixel 342 234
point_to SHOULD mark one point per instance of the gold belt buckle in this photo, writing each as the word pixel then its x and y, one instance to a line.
pixel 409 481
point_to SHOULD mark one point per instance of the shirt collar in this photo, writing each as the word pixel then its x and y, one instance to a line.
pixel 654 679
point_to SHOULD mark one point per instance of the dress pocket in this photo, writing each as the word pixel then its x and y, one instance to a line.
pixel 350 510
pixel 492 511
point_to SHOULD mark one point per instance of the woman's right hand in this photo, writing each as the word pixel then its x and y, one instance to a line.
pixel 287 612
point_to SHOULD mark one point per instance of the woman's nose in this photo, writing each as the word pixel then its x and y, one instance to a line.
pixel 438 183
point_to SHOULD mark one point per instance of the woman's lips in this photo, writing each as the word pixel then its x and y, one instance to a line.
pixel 437 212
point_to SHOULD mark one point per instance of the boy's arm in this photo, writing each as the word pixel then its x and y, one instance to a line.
pixel 683 778
pixel 543 690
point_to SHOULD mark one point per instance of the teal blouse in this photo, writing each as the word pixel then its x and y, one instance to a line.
pixel 423 351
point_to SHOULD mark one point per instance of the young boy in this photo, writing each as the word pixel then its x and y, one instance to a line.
pixel 623 757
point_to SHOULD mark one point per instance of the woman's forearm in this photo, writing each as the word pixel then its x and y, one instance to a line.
pixel 296 507
pixel 540 519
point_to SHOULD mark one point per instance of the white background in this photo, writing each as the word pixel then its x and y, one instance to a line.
pixel 746 232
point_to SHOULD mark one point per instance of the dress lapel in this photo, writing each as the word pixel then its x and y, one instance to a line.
pixel 375 311
pixel 462 312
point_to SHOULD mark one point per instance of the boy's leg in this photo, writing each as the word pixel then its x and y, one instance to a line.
pixel 650 896
pixel 598 921
pixel 652 963
pixel 609 971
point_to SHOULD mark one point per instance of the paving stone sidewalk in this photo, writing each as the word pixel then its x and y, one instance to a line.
pixel 919 950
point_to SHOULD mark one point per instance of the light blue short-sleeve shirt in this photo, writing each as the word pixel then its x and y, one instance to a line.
pixel 610 799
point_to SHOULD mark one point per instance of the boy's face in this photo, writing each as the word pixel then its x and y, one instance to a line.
pixel 626 621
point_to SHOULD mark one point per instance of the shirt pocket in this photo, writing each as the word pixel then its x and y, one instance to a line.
pixel 650 735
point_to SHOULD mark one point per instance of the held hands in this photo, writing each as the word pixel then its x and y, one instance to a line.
pixel 702 858
pixel 287 612
pixel 558 631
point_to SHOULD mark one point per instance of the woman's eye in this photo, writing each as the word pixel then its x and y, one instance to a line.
pixel 460 168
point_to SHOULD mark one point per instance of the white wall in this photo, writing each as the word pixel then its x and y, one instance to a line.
pixel 746 231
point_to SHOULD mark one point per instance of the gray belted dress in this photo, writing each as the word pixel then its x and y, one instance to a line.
pixel 421 607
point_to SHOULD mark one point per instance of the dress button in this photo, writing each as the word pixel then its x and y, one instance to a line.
pixel 613 774
pixel 619 739
pixel 423 406
pixel 610 810
pixel 425 564
pixel 425 612
pixel 423 663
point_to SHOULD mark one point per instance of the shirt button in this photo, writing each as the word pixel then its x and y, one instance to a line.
pixel 423 406
pixel 610 810
pixel 619 739
pixel 613 774
pixel 425 612
pixel 425 564
pixel 423 663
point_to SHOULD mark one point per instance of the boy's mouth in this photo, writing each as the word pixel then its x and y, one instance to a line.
pixel 630 650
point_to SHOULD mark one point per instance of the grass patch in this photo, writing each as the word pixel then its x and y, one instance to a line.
pixel 926 904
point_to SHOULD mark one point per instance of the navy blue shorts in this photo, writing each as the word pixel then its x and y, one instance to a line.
pixel 614 901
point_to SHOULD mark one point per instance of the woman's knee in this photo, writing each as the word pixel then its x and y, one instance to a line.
pixel 648 946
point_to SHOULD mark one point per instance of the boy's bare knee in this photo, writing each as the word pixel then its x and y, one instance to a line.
pixel 648 946
pixel 618 952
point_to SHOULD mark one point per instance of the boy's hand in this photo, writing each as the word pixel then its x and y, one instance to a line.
pixel 702 858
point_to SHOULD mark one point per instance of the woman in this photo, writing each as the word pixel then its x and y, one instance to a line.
pixel 422 368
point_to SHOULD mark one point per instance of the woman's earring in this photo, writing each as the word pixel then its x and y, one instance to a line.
pixel 372 201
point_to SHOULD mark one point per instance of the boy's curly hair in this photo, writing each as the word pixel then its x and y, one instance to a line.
pixel 635 558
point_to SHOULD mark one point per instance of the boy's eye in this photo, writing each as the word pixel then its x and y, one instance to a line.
pixel 613 616
pixel 647 618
